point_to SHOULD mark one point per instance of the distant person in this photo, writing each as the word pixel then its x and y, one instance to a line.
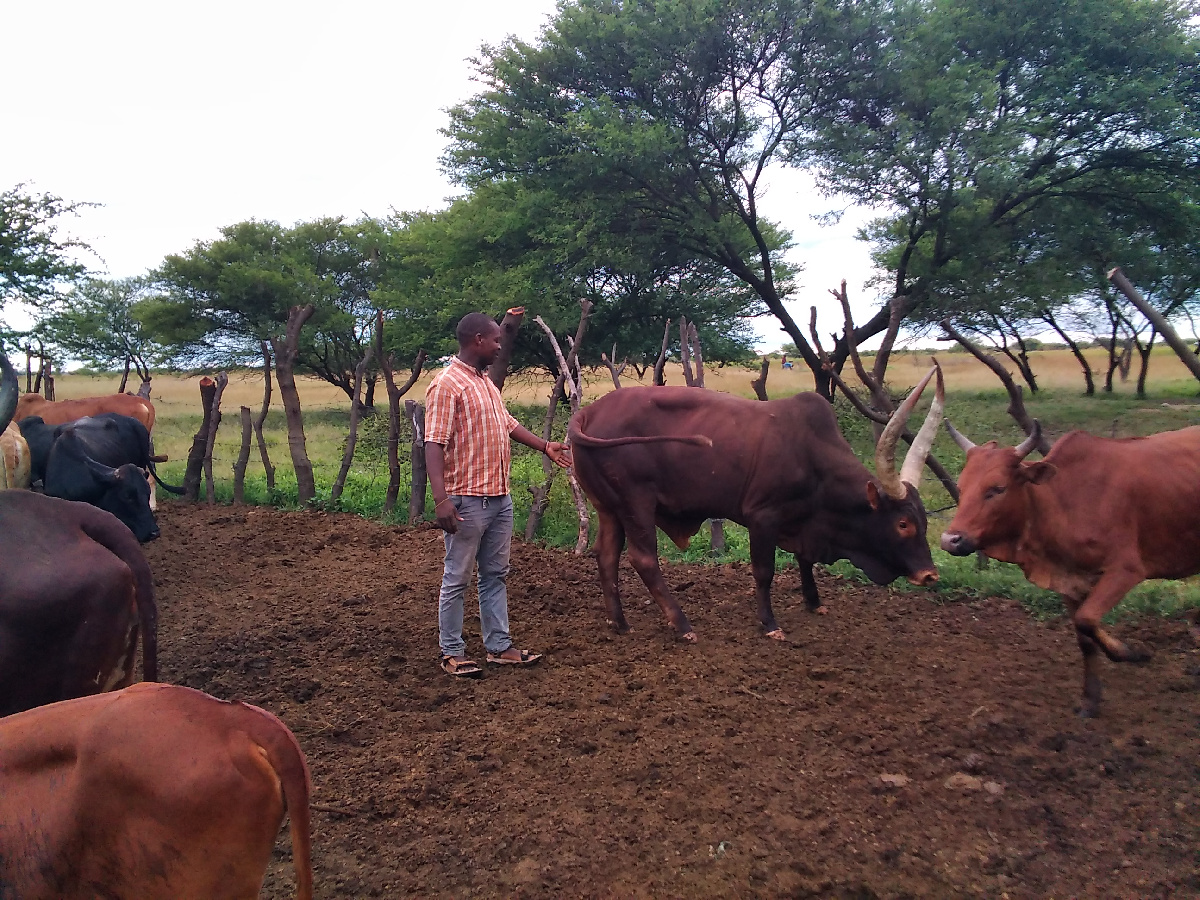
pixel 785 362
pixel 467 430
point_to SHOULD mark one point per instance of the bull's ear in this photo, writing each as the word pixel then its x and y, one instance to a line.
pixel 1038 472
pixel 873 494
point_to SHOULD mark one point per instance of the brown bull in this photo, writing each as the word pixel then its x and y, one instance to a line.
pixel 674 457
pixel 155 793
pixel 59 412
pixel 1093 519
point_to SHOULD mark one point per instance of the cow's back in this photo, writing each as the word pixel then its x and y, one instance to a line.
pixel 155 792
pixel 1110 497
pixel 59 412
pixel 774 448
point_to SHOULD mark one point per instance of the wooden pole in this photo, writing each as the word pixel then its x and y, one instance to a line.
pixel 1157 319
pixel 243 460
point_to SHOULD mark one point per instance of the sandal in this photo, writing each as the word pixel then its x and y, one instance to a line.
pixel 528 658
pixel 462 668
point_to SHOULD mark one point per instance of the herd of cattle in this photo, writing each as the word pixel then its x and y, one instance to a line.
pixel 192 808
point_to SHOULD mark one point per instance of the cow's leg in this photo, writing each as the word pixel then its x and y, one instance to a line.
pixel 1112 587
pixel 762 563
pixel 1089 705
pixel 643 554
pixel 808 584
pixel 610 539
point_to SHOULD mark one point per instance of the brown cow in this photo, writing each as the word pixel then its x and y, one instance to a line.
pixel 59 412
pixel 154 792
pixel 674 457
pixel 1093 519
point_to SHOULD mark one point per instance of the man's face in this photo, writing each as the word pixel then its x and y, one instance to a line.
pixel 487 345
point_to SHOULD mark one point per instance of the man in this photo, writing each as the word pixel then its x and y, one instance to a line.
pixel 467 454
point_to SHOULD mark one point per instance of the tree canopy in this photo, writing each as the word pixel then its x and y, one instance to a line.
pixel 34 256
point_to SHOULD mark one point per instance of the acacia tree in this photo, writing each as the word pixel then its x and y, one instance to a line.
pixel 34 256
pixel 661 119
pixel 987 126
pixel 95 323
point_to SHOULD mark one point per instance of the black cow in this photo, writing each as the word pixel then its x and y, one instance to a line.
pixel 101 460
pixel 40 437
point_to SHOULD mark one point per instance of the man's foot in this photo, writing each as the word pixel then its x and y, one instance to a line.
pixel 514 657
pixel 461 667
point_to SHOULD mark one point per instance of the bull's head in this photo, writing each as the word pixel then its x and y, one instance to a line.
pixel 126 496
pixel 893 542
pixel 993 493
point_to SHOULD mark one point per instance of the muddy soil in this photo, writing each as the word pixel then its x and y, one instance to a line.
pixel 631 766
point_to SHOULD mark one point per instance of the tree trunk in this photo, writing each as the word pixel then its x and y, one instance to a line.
pixel 29 370
pixel 509 327
pixel 214 423
pixel 420 478
pixel 697 356
pixel 262 417
pixel 1144 369
pixel 143 390
pixel 243 460
pixel 1158 320
pixel 125 375
pixel 369 399
pixel 718 536
pixel 760 383
pixel 286 350
pixel 360 371
pixel 48 383
pixel 195 461
pixel 1016 400
pixel 1089 381
pixel 613 369
pixel 37 383
pixel 541 493
pixel 387 364
pixel 659 377
pixel 685 352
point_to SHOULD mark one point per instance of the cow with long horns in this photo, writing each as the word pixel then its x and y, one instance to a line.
pixel 1093 519
pixel 674 457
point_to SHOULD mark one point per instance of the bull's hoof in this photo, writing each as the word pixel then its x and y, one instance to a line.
pixel 777 635
pixel 689 638
pixel 1089 709
pixel 619 627
pixel 1137 652
pixel 821 610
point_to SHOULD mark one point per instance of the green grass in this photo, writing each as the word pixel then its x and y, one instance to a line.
pixel 980 415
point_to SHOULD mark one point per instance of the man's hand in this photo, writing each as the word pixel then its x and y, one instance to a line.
pixel 447 516
pixel 559 454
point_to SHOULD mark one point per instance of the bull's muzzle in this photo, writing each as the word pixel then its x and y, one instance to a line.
pixel 925 578
pixel 957 544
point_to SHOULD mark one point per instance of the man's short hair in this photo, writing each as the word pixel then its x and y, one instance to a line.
pixel 472 324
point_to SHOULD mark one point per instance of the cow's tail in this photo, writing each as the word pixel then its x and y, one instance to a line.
pixel 117 539
pixel 287 759
pixel 158 480
pixel 579 439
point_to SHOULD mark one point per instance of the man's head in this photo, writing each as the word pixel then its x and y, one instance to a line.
pixel 478 339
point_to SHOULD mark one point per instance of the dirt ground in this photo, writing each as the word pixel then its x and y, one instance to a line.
pixel 631 766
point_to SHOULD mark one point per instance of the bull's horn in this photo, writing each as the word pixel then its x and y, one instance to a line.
pixel 959 438
pixel 100 470
pixel 160 457
pixel 914 461
pixel 885 450
pixel 8 392
pixel 1035 437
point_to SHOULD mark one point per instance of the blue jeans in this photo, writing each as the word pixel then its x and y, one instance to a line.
pixel 484 535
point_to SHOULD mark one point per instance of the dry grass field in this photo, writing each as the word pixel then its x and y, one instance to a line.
pixel 177 400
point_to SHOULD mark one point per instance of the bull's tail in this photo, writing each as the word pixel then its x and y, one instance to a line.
pixel 287 759
pixel 104 530
pixel 158 480
pixel 579 439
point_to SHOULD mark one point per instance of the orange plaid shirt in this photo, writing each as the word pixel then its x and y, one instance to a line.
pixel 465 413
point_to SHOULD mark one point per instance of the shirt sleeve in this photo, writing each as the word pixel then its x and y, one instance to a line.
pixel 439 412
pixel 512 423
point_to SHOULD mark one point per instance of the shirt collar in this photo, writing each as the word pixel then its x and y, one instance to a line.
pixel 456 359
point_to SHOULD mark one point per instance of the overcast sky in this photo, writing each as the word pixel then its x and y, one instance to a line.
pixel 181 118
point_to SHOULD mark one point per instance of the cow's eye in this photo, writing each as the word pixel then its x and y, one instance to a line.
pixel 993 492
pixel 904 526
